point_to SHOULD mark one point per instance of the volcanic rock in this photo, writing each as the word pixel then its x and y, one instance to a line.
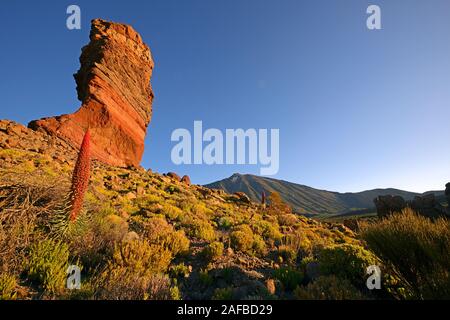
pixel 186 180
pixel 427 206
pixel 173 176
pixel 389 204
pixel 242 197
pixel 447 192
pixel 113 84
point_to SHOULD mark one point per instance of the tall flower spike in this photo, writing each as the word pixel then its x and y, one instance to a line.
pixel 263 198
pixel 80 177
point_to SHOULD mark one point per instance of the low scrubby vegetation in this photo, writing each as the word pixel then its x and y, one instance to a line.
pixel 417 251
pixel 148 236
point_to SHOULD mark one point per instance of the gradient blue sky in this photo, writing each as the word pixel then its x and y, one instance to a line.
pixel 356 109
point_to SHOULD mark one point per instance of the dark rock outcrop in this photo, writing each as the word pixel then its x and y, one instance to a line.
pixel 426 205
pixel 387 205
pixel 113 84
pixel 173 175
pixel 242 197
pixel 447 192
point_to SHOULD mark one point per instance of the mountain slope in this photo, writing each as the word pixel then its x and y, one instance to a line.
pixel 304 199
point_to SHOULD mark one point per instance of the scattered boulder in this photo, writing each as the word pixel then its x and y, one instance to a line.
pixel 447 192
pixel 130 236
pixel 238 197
pixel 229 252
pixel 140 191
pixel 427 206
pixel 186 180
pixel 242 197
pixel 173 176
pixel 113 84
pixel 270 285
pixel 130 195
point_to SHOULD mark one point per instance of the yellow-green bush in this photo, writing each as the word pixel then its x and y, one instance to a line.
pixel 112 228
pixel 225 223
pixel 205 278
pixel 259 245
pixel 121 283
pixel 172 212
pixel 328 288
pixel 417 249
pixel 180 270
pixel 346 261
pixel 268 230
pixel 7 287
pixel 142 257
pixel 47 265
pixel 159 231
pixel 287 219
pixel 223 294
pixel 289 277
pixel 213 251
pixel 97 243
pixel 287 253
pixel 134 272
pixel 242 238
pixel 201 229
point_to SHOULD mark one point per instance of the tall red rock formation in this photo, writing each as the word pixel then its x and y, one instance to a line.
pixel 113 84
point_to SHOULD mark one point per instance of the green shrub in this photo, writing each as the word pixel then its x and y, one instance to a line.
pixel 213 251
pixel 180 271
pixel 289 277
pixel 159 231
pixel 201 229
pixel 346 261
pixel 172 212
pixel 242 238
pixel 47 265
pixel 417 249
pixel 328 288
pixel 122 283
pixel 111 228
pixel 259 246
pixel 287 219
pixel 134 272
pixel 287 253
pixel 142 257
pixel 205 278
pixel 223 294
pixel 225 223
pixel 7 287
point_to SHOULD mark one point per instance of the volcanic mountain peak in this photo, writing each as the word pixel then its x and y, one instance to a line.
pixel 307 200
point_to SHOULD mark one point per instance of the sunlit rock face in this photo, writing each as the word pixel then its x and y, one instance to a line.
pixel 113 84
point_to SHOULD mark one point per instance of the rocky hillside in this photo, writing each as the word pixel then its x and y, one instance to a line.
pixel 145 235
pixel 307 200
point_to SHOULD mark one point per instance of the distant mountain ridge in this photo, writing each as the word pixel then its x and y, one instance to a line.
pixel 307 200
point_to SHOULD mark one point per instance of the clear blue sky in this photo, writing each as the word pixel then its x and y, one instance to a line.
pixel 356 109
